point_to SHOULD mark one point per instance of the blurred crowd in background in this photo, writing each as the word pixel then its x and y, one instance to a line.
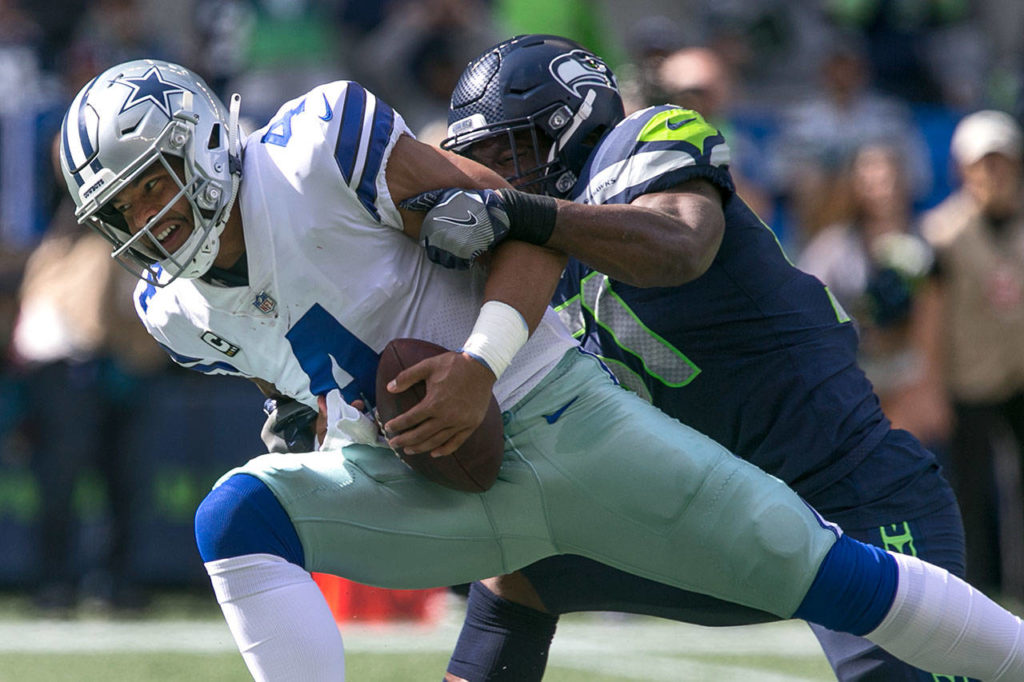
pixel 880 139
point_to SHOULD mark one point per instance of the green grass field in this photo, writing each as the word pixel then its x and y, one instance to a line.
pixel 396 667
pixel 183 639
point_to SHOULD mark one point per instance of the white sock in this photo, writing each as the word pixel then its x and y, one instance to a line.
pixel 279 619
pixel 941 624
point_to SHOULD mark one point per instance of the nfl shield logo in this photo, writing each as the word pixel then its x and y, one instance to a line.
pixel 265 303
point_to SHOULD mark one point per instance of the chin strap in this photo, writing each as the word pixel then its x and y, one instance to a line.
pixel 234 157
pixel 212 238
pixel 234 134
pixel 566 179
pixel 582 114
pixel 234 152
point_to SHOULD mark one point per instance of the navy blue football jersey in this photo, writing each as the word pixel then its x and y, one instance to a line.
pixel 754 353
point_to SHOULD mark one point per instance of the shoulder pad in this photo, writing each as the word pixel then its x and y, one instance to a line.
pixel 652 150
pixel 677 124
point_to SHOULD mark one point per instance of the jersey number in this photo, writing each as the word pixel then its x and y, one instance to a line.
pixel 280 131
pixel 332 357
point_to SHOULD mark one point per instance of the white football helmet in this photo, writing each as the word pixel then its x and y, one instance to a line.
pixel 132 116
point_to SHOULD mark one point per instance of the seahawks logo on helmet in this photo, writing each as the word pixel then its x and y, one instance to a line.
pixel 579 68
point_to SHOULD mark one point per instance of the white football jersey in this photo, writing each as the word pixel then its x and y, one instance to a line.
pixel 332 277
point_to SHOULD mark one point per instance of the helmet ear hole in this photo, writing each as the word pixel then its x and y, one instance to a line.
pixel 559 118
pixel 112 217
pixel 215 137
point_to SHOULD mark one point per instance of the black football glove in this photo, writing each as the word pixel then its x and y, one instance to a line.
pixel 290 426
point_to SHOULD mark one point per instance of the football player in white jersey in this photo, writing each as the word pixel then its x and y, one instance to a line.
pixel 284 258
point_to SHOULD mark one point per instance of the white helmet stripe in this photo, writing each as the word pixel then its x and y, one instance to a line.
pixel 78 150
pixel 69 157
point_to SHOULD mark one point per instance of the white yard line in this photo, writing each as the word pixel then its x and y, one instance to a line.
pixel 592 635
pixel 632 648
pixel 73 636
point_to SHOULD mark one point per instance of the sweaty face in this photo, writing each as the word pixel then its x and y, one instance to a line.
pixel 143 202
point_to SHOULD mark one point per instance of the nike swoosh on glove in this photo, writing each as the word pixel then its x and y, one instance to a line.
pixel 460 224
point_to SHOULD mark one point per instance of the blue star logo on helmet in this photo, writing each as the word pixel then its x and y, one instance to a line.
pixel 577 69
pixel 151 87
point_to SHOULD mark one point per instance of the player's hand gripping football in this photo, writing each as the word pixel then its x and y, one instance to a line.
pixel 460 224
pixel 458 392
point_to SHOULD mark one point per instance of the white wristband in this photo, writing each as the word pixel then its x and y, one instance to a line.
pixel 500 331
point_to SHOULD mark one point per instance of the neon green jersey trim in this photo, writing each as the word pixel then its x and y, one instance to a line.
pixel 840 312
pixel 677 124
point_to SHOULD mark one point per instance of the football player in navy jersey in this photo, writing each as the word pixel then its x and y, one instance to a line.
pixel 284 257
pixel 687 296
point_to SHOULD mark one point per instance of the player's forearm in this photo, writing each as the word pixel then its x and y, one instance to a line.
pixel 636 244
pixel 520 283
pixel 524 276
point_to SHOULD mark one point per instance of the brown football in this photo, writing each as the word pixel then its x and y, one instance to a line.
pixel 473 467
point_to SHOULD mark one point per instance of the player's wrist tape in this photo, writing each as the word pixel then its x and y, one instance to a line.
pixel 500 331
pixel 531 217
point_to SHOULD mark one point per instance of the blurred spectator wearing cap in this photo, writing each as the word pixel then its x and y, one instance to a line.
pixel 820 134
pixel 698 78
pixel 978 236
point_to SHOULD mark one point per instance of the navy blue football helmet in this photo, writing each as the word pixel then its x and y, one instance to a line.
pixel 562 94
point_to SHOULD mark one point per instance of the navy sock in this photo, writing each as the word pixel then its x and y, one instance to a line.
pixel 501 641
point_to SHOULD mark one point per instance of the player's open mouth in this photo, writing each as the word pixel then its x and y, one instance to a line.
pixel 168 236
